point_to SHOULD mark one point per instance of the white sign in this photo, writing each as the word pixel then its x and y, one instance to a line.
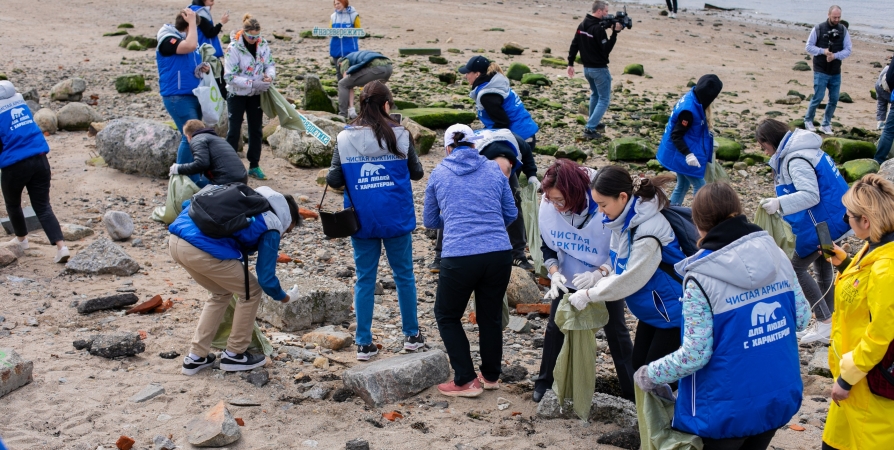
pixel 339 32
pixel 314 130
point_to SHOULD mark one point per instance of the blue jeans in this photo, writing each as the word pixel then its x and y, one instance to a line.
pixel 885 141
pixel 601 94
pixel 400 257
pixel 183 108
pixel 683 183
pixel 821 82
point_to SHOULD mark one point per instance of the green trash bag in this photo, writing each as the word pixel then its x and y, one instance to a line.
pixel 778 228
pixel 275 105
pixel 575 373
pixel 259 342
pixel 654 415
pixel 714 172
pixel 180 189
pixel 530 203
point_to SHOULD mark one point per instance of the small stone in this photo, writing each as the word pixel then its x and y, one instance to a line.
pixel 130 83
pixel 76 117
pixel 244 402
pixel 512 48
pixel 163 443
pixel 317 392
pixel 323 255
pixel 357 444
pixel 124 443
pixel 257 377
pixel 163 418
pixel 6 257
pixel 522 288
pixel 519 324
pixel 103 257
pixel 31 221
pixel 503 404
pixel 513 374
pixel 168 355
pixel 45 118
pixel 328 337
pixel 70 90
pixel 215 428
pixel 72 232
pixel 108 302
pixel 148 393
pixel 118 224
pixel 634 69
pixel 819 363
pixel 321 362
pixel 113 345
pixel 342 394
pixel 627 438
pixel 15 372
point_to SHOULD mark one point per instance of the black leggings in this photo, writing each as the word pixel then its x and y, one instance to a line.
pixel 32 173
pixel 652 343
pixel 250 107
pixel 756 442
pixel 670 7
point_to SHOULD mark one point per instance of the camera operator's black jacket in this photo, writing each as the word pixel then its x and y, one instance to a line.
pixel 592 40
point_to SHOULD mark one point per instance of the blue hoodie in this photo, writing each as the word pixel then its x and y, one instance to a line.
pixel 469 197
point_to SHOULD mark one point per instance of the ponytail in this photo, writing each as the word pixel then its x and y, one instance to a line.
pixel 249 23
pixel 494 68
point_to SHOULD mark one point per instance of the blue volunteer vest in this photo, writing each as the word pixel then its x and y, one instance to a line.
pixel 19 133
pixel 175 73
pixel 658 302
pixel 212 41
pixel 520 121
pixel 341 46
pixel 378 182
pixel 830 209
pixel 752 383
pixel 222 248
pixel 698 138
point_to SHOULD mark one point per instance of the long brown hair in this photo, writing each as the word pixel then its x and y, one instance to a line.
pixel 372 114
pixel 572 182
pixel 714 203
pixel 611 181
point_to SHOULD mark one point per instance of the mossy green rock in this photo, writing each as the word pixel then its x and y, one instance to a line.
pixel 130 83
pixel 439 118
pixel 757 157
pixel 801 66
pixel 135 46
pixel 437 59
pixel 125 25
pixel 454 50
pixel 144 41
pixel 536 79
pixel 856 169
pixel 799 123
pixel 843 150
pixel 315 96
pixel 630 149
pixel 796 93
pixel 634 69
pixel 558 63
pixel 516 71
pixel 423 138
pixel 571 152
pixel 548 150
pixel 690 83
pixel 419 51
pixel 653 164
pixel 660 118
pixel 403 104
pixel 728 150
pixel 309 34
pixel 447 77
pixel 845 98
pixel 116 33
pixel 3 77
pixel 225 38
pixel 512 48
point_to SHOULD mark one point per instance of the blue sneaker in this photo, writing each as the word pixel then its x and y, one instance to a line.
pixel 256 172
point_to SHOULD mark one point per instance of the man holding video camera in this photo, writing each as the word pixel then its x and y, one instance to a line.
pixel 829 43
pixel 592 40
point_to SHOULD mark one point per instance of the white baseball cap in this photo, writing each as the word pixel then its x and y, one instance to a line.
pixel 468 133
pixel 7 90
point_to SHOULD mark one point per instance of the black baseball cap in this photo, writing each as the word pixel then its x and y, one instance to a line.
pixel 476 64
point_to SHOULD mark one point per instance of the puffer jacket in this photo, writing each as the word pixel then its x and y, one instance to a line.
pixel 862 329
pixel 214 158
pixel 241 68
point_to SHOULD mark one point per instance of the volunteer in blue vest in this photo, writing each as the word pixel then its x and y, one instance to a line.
pixel 642 252
pixel 345 16
pixel 209 32
pixel 357 69
pixel 469 197
pixel 497 104
pixel 216 265
pixel 808 191
pixel 887 137
pixel 688 143
pixel 374 162
pixel 738 368
pixel 24 164
pixel 180 70
pixel 568 218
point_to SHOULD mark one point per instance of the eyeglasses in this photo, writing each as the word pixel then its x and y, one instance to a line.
pixel 558 203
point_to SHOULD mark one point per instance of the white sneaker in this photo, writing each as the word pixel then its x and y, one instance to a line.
pixel 810 329
pixel 672 16
pixel 826 130
pixel 809 126
pixel 23 244
pixel 62 256
pixel 352 113
pixel 821 334
pixel 881 125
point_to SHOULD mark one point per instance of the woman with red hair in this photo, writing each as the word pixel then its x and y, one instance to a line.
pixel 575 245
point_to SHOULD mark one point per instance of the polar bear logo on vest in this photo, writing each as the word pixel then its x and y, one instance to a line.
pixel 17 112
pixel 370 169
pixel 763 313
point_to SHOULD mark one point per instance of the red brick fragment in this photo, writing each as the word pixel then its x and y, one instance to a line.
pixel 146 307
pixel 124 443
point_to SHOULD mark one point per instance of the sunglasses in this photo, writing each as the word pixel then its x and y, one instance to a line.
pixel 252 36
pixel 847 218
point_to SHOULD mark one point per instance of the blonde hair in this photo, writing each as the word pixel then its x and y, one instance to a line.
pixel 709 117
pixel 249 23
pixel 872 197
pixel 494 68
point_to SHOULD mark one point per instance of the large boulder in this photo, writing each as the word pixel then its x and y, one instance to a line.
pixel 303 150
pixel 423 138
pixel 630 149
pixel 45 118
pixel 604 408
pixel 15 372
pixel 512 48
pixel 856 169
pixel 439 118
pixel 843 150
pixel 522 288
pixel 139 146
pixel 887 170
pixel 536 79
pixel 103 257
pixel 70 90
pixel 315 97
pixel 315 305
pixel 76 117
pixel 728 149
pixel 516 71
pixel 391 380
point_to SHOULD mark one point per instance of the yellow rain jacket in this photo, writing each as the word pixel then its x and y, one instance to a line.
pixel 864 290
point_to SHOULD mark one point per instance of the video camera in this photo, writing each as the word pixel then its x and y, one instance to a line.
pixel 609 20
pixel 832 35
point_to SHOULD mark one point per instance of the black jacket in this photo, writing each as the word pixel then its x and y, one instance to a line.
pixel 492 103
pixel 214 158
pixel 593 43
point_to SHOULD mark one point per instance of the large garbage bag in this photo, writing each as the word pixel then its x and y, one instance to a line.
pixel 259 342
pixel 530 203
pixel 654 415
pixel 275 105
pixel 180 189
pixel 575 372
pixel 778 228
pixel 714 171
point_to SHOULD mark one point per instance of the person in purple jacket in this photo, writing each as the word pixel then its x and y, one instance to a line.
pixel 469 197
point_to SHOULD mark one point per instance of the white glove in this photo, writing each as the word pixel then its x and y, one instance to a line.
pixel 535 182
pixel 352 113
pixel 587 280
pixel 770 205
pixel 579 299
pixel 557 284
pixel 198 73
pixel 258 86
pixel 692 160
pixel 291 294
pixel 174 169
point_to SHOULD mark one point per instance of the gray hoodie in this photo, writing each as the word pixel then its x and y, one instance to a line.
pixel 796 161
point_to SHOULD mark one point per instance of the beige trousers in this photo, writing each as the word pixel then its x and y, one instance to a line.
pixel 223 279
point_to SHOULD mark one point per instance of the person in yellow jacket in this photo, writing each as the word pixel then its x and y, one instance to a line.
pixel 863 322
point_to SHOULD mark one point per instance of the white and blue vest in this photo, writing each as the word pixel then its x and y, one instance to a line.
pixel 581 249
pixel 698 138
pixel 19 133
pixel 378 182
pixel 176 72
pixel 205 13
pixel 341 46
pixel 520 121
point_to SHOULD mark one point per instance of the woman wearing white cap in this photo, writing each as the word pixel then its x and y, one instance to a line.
pixel 469 197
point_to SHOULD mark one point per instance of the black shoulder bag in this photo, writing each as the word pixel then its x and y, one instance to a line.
pixel 339 224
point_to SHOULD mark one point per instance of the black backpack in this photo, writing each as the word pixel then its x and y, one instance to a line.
pixel 221 211
pixel 680 220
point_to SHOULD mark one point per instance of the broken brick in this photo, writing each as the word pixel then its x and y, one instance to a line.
pixel 240 421
pixel 525 308
pixel 165 305
pixel 544 281
pixel 146 307
pixel 308 214
pixel 283 258
pixel 472 318
pixel 124 443
pixel 796 427
pixel 143 335
pixel 392 416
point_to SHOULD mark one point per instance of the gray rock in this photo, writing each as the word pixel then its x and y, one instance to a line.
pixel 13 248
pixel 513 374
pixel 391 380
pixel 357 444
pixel 107 302
pixel 328 337
pixel 604 408
pixel 71 232
pixel 118 224
pixel 148 393
pixel 103 257
pixel 302 150
pixel 33 106
pixel 315 97
pixel 317 392
pixel 46 119
pixel 7 257
pixel 138 146
pixel 299 353
pixel 819 364
pixel 31 95
pixel 15 372
pixel 627 438
pixel 31 221
pixel 522 288
pixel 163 443
pixel 76 117
pixel 70 90
pixel 257 377
pixel 244 402
pixel 215 428
pixel 519 324
pixel 314 306
pixel 887 169
pixel 112 345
